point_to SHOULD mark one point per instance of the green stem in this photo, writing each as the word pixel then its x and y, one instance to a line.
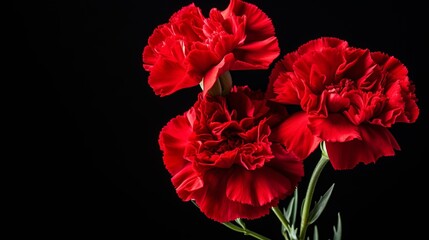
pixel 282 219
pixel 310 190
pixel 245 231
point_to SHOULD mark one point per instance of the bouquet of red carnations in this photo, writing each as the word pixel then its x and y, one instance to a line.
pixel 238 152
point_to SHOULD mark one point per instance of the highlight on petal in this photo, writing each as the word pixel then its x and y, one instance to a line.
pixel 258 187
pixel 256 55
pixel 283 86
pixel 260 46
pixel 173 139
pixel 167 82
pixel 296 136
pixel 334 128
pixel 259 26
pixel 376 142
pixel 214 203
pixel 187 181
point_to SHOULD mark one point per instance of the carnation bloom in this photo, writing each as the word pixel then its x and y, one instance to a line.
pixel 220 155
pixel 349 98
pixel 190 49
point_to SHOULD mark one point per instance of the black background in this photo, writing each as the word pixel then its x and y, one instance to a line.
pixel 88 162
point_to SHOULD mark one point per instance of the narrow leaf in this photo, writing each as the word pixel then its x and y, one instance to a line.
pixel 338 230
pixel 315 233
pixel 302 207
pixel 290 212
pixel 284 230
pixel 320 205
pixel 291 233
pixel 284 233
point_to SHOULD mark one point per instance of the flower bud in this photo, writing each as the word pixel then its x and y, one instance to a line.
pixel 222 85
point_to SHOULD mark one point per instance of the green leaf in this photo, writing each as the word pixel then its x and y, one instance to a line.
pixel 290 212
pixel 290 215
pixel 284 233
pixel 293 234
pixel 283 229
pixel 320 205
pixel 315 233
pixel 338 230
pixel 240 222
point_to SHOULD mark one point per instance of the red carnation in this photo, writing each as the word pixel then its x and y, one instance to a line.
pixel 191 49
pixel 221 155
pixel 349 98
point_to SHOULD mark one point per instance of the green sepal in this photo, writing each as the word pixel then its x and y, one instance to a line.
pixel 240 222
pixel 323 149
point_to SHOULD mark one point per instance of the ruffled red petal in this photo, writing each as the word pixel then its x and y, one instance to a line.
pixel 334 128
pixel 296 136
pixel 376 142
pixel 173 139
